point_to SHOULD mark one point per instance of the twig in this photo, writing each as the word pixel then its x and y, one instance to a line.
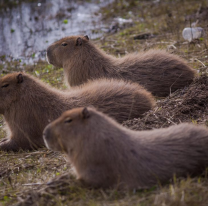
pixel 171 121
pixel 33 184
pixel 200 62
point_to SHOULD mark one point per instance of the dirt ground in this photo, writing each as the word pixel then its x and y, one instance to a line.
pixel 185 105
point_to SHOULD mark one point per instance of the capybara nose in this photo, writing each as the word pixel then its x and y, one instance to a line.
pixel 46 133
pixel 46 136
pixel 48 55
pixel 48 51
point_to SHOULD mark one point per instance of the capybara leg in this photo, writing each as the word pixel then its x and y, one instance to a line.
pixel 89 180
pixel 8 145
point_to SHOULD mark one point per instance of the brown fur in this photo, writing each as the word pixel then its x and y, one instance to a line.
pixel 158 71
pixel 28 105
pixel 105 154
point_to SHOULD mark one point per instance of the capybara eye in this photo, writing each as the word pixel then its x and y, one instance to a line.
pixel 68 120
pixel 64 44
pixel 5 85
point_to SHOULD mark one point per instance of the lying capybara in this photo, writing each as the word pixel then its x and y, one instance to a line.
pixel 29 104
pixel 105 154
pixel 158 71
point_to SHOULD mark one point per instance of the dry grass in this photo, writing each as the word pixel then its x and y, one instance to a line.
pixel 26 177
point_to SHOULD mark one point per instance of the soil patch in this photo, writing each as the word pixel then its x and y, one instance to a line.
pixel 185 105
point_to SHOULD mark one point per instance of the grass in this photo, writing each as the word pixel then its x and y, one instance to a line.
pixel 25 176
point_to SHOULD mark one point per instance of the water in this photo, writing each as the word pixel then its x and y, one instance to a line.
pixel 28 29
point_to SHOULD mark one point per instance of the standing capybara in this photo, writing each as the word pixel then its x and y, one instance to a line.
pixel 28 105
pixel 105 154
pixel 158 71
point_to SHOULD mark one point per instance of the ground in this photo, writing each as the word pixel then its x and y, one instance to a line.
pixel 44 178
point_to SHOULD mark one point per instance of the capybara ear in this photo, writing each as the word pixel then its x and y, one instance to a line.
pixel 79 41
pixel 86 37
pixel 19 78
pixel 85 113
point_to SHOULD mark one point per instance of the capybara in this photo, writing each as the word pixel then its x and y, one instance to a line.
pixel 158 71
pixel 28 105
pixel 107 155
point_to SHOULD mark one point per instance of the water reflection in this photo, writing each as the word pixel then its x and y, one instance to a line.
pixel 28 29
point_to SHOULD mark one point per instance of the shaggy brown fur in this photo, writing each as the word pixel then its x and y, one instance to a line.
pixel 28 105
pixel 158 71
pixel 105 154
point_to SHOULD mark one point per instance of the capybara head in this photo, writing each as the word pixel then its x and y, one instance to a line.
pixel 9 90
pixel 65 48
pixel 64 133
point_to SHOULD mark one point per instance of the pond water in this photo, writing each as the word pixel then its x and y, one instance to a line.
pixel 29 28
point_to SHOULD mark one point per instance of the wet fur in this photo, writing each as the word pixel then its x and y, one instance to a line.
pixel 28 106
pixel 107 155
pixel 158 71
